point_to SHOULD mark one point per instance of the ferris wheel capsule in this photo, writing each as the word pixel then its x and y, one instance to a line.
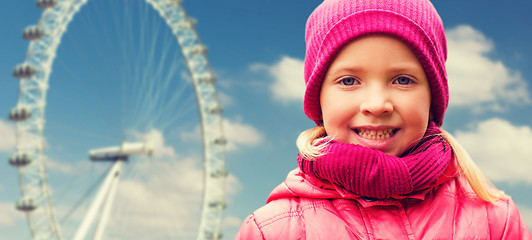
pixel 33 33
pixel 46 3
pixel 220 141
pixel 198 49
pixel 19 114
pixel 187 23
pixel 210 235
pixel 26 205
pixel 24 70
pixel 216 109
pixel 176 1
pixel 218 204
pixel 20 160
pixel 206 78
pixel 219 174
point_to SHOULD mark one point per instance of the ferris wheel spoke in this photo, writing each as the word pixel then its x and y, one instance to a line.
pixel 147 106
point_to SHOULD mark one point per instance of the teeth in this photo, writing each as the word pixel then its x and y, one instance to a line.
pixel 375 134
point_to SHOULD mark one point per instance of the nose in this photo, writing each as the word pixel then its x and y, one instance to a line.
pixel 376 102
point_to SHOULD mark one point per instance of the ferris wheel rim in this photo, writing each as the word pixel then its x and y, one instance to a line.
pixel 32 98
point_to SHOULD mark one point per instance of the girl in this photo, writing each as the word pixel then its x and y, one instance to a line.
pixel 378 166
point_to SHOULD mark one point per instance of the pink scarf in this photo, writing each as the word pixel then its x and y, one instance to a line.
pixel 372 173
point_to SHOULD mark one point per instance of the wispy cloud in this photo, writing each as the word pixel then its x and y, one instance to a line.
pixel 231 222
pixel 231 225
pixel 156 139
pixel 167 195
pixel 238 134
pixel 501 149
pixel 168 192
pixel 9 216
pixel 288 82
pixel 225 99
pixel 7 141
pixel 475 80
pixel 58 166
pixel 160 197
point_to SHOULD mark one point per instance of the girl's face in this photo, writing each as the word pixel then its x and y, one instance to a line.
pixel 376 94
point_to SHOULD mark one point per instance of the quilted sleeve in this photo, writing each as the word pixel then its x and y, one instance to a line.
pixel 249 230
pixel 514 226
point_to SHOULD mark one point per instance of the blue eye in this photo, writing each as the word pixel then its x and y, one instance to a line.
pixel 348 81
pixel 403 81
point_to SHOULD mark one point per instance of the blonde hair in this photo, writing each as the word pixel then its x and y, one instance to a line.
pixel 311 143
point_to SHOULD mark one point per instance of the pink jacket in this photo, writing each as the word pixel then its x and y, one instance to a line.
pixel 303 207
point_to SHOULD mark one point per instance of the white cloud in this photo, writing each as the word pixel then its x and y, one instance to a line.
pixel 192 135
pixel 159 197
pixel 475 80
pixel 7 141
pixel 289 84
pixel 240 134
pixel 232 186
pixel 231 222
pixel 57 166
pixel 225 100
pixel 9 216
pixel 167 195
pixel 156 139
pixel 501 150
pixel 236 132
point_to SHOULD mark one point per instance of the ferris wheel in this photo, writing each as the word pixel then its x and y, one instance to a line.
pixel 29 116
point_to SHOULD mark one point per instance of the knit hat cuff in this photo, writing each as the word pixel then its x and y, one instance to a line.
pixel 365 23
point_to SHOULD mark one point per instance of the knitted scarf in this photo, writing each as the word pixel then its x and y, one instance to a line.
pixel 372 173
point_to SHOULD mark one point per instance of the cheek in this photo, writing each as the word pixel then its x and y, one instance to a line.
pixel 416 116
pixel 337 114
pixel 332 119
pixel 416 108
pixel 338 110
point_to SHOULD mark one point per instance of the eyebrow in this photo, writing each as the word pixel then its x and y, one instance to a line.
pixel 401 67
pixel 339 70
pixel 405 67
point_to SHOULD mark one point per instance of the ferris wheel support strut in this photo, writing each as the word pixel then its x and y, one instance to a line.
pixel 111 177
pixel 107 208
pixel 107 191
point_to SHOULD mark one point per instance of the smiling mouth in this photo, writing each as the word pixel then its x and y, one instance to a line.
pixel 376 134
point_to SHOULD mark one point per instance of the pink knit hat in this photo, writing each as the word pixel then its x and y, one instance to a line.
pixel 337 22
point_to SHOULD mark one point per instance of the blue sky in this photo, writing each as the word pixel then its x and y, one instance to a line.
pixel 256 50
